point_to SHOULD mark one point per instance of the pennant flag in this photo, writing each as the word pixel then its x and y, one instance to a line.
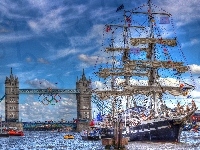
pixel 128 19
pixel 92 123
pixel 135 50
pixel 181 85
pixel 165 51
pixel 164 20
pixel 120 8
pixel 108 28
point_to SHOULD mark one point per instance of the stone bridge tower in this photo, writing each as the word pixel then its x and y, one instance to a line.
pixel 84 114
pixel 11 98
pixel 12 102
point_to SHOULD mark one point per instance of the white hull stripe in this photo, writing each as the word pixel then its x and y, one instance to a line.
pixel 145 130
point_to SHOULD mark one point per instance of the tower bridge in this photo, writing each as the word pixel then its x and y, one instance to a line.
pixel 83 94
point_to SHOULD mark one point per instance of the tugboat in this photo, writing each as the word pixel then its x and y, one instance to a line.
pixel 142 75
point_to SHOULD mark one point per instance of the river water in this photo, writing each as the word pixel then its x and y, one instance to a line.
pixel 42 140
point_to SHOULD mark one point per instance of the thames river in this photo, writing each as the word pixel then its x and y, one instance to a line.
pixel 47 140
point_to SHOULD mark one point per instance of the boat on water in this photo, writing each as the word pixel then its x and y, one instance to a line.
pixel 141 78
pixel 12 132
pixel 93 132
pixel 68 136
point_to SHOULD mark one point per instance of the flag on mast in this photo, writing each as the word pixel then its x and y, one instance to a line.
pixel 164 20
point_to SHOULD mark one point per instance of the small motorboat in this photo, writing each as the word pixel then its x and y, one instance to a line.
pixel 15 133
pixel 68 136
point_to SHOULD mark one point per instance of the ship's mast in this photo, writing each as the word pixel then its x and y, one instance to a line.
pixel 153 71
pixel 126 56
pixel 112 81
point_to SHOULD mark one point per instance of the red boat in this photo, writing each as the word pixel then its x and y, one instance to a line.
pixel 15 133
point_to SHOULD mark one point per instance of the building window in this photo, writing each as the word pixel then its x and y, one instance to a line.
pixel 12 115
pixel 12 100
pixel 13 107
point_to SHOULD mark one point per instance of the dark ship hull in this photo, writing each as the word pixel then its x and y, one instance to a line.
pixel 165 131
pixel 158 129
pixel 155 131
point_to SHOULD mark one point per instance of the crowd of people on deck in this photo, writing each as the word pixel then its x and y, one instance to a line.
pixel 134 118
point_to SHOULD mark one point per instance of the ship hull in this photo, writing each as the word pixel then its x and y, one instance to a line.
pixel 165 131
pixel 162 130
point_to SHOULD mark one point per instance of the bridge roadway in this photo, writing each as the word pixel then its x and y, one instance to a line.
pixel 101 106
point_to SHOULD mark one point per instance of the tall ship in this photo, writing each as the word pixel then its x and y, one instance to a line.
pixel 143 79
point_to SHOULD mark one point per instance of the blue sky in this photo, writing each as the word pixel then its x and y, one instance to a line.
pixel 50 42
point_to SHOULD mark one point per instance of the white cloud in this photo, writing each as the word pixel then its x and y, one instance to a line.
pixel 51 21
pixel 42 61
pixel 190 43
pixel 195 69
pixel 25 75
pixel 28 59
pixel 14 65
pixel 41 83
pixel 63 53
pixel 98 85
pixel 34 110
pixel 194 41
pixel 13 37
pixel 91 59
pixel 93 36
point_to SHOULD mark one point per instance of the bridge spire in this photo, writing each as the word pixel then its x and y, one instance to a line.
pixel 83 75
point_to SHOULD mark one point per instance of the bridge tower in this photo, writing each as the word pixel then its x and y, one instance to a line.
pixel 12 101
pixel 84 109
pixel 11 98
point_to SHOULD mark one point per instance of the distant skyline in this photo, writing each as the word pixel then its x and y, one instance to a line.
pixel 48 44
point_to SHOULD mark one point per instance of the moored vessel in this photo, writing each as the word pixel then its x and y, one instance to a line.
pixel 141 75
pixel 12 132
